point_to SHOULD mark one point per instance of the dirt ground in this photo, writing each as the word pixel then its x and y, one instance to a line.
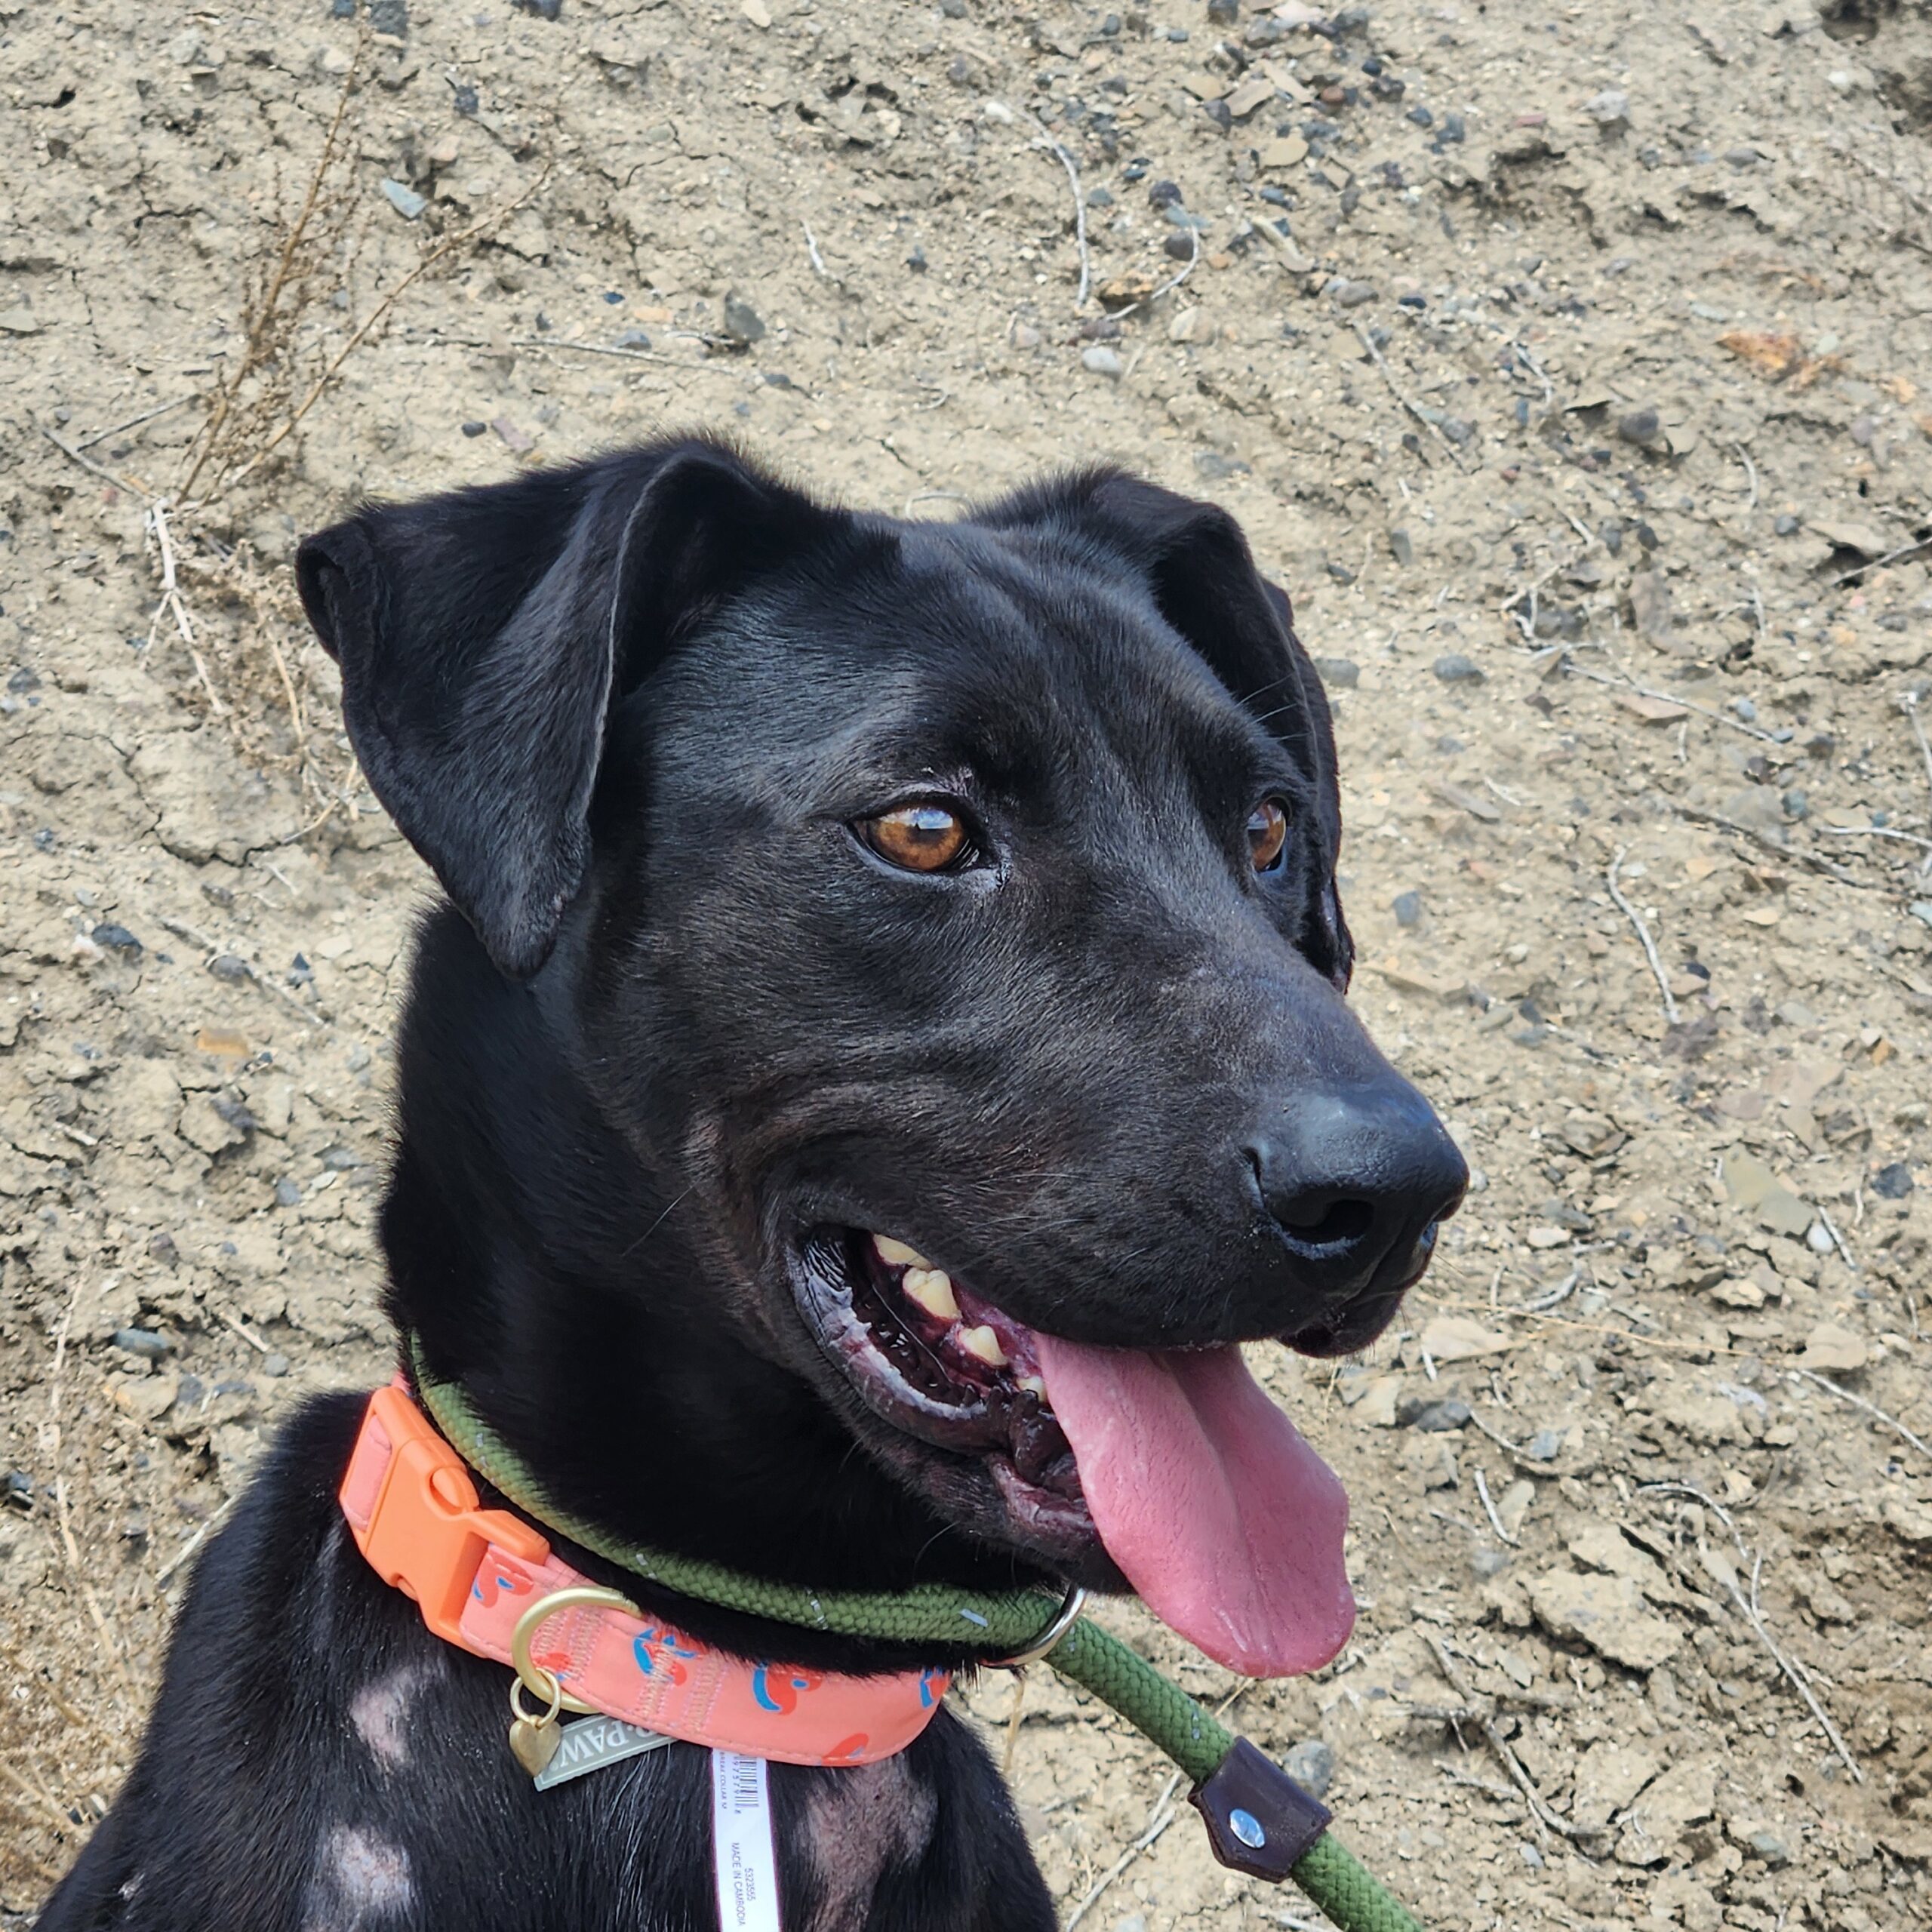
pixel 1572 367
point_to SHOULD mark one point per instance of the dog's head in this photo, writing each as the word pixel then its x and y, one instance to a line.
pixel 945 916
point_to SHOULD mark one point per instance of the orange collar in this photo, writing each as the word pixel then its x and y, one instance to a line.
pixel 477 1574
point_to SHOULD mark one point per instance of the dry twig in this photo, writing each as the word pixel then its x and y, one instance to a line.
pixel 257 344
pixel 1748 1608
pixel 1630 913
pixel 1539 1810
pixel 1163 1815
pixel 1066 161
pixel 1415 409
pixel 1879 563
pixel 1489 1510
pixel 360 334
pixel 1909 704
pixel 1844 1394
pixel 1698 816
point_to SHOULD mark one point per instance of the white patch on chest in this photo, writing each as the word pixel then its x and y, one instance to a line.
pixel 859 1823
pixel 380 1712
pixel 359 1880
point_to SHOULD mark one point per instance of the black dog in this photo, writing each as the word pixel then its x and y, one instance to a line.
pixel 825 888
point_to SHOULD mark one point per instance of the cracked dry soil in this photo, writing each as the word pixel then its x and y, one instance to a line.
pixel 1570 365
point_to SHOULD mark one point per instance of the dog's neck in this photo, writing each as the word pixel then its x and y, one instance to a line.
pixel 532 1256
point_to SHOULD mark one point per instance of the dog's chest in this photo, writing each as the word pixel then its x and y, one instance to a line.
pixel 855 1826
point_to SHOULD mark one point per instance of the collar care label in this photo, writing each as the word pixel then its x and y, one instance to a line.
pixel 591 1743
pixel 741 1844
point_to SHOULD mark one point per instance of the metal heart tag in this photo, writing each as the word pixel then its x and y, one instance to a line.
pixel 532 1744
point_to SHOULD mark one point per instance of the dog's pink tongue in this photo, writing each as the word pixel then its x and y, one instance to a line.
pixel 1225 1521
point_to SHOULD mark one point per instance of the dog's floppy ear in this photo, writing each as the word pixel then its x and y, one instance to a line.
pixel 1204 580
pixel 483 635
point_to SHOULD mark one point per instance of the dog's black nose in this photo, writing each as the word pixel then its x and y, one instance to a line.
pixel 1356 1178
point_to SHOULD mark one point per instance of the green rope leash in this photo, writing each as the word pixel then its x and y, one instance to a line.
pixel 1003 1623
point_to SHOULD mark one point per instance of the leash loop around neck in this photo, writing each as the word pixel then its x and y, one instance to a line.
pixel 1259 1820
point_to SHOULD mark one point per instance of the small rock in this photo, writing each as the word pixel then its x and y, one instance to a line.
pixel 742 323
pixel 1181 245
pixel 1610 109
pixel 1642 426
pixel 1608 1613
pixel 1650 604
pixel 1400 549
pixel 1407 909
pixel 1344 674
pixel 1758 1840
pixel 226 966
pixel 288 1193
pixel 1830 1349
pixel 1217 466
pixel 1447 1338
pixel 1907 1519
pixel 1454 669
pixel 1311 1763
pixel 389 17
pixel 1893 1183
pixel 143 1344
pixel 1101 360
pixel 1868 540
pixel 1608 1776
pixel 1545 1445
pixel 473 430
pixel 1351 294
pixel 1753 1190
pixel 275 1365
pixel 404 199
pixel 1435 1418
pixel 116 938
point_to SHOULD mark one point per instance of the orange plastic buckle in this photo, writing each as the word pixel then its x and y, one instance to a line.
pixel 425 1534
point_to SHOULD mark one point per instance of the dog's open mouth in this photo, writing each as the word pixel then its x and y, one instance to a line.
pixel 1224 1521
pixel 931 1357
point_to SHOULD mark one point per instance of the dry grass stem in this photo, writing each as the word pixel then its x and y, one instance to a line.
pixel 267 326
pixel 361 333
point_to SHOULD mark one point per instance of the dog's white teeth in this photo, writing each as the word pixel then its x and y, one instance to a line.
pixel 983 1345
pixel 895 1253
pixel 932 1289
pixel 1032 1384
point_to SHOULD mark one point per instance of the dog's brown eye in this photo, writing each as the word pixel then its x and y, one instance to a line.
pixel 925 837
pixel 1267 834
